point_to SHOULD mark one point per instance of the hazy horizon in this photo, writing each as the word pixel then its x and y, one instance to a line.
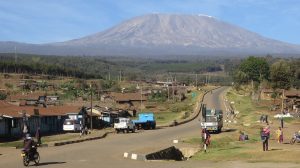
pixel 54 21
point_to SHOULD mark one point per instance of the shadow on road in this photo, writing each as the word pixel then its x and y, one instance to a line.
pixel 275 149
pixel 50 163
pixel 229 130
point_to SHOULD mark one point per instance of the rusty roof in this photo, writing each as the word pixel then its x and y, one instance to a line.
pixel 16 111
pixel 119 97
pixel 295 93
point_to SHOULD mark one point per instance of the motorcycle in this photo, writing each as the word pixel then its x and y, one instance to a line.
pixel 30 156
pixel 295 138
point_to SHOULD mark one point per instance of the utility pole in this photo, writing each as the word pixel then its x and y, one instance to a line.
pixel 168 92
pixel 173 91
pixel 141 97
pixel 91 107
pixel 168 89
pixel 282 99
pixel 15 59
pixel 208 78
pixel 196 81
pixel 205 139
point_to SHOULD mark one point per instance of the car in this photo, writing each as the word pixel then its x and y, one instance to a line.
pixel 71 125
pixel 124 124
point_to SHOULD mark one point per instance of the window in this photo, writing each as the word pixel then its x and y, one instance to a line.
pixel 14 123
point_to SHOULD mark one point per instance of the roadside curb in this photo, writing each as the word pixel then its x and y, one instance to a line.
pixel 166 153
pixel 81 140
pixel 192 118
pixel 134 156
pixel 71 141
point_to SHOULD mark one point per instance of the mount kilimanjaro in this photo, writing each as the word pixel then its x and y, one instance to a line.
pixel 159 35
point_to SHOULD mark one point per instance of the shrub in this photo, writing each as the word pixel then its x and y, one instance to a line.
pixel 3 96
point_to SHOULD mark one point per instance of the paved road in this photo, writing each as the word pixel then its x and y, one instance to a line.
pixel 108 152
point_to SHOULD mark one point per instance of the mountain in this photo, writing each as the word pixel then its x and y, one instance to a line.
pixel 157 35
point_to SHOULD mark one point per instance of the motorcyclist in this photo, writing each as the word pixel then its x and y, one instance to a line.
pixel 297 134
pixel 29 144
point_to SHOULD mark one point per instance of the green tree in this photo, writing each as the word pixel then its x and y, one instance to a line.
pixel 295 68
pixel 240 77
pixel 256 69
pixel 282 75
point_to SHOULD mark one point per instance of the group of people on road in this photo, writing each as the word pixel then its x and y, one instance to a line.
pixel 265 134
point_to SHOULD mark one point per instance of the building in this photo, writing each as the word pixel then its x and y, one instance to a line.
pixel 292 99
pixel 131 99
pixel 266 94
pixel 50 120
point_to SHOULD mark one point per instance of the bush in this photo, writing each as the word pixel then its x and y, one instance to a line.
pixel 3 96
pixel 8 85
pixel 158 96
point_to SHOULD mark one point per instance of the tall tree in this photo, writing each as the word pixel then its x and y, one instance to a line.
pixel 255 68
pixel 282 75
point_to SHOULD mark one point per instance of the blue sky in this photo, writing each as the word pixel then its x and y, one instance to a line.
pixel 43 21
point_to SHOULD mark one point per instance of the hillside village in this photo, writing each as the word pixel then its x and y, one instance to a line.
pixel 47 103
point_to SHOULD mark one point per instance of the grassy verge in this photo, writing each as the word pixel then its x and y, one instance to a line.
pixel 12 144
pixel 222 148
pixel 167 112
pixel 226 147
pixel 45 139
pixel 166 117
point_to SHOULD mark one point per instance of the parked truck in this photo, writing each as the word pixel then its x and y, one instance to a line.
pixel 124 125
pixel 212 119
pixel 145 121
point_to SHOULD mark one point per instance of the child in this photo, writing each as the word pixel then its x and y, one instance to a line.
pixel 279 134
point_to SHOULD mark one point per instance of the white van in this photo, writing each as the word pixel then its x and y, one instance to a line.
pixel 124 124
pixel 71 125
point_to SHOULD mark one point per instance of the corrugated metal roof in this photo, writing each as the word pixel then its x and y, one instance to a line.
pixel 16 111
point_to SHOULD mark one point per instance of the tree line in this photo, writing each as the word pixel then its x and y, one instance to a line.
pixel 276 74
pixel 110 68
pixel 41 69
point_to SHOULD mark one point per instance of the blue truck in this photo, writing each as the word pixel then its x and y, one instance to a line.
pixel 145 121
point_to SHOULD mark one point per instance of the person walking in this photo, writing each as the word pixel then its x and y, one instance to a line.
pixel 206 136
pixel 81 129
pixel 25 131
pixel 265 135
pixel 38 136
pixel 267 122
pixel 134 112
pixel 281 121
